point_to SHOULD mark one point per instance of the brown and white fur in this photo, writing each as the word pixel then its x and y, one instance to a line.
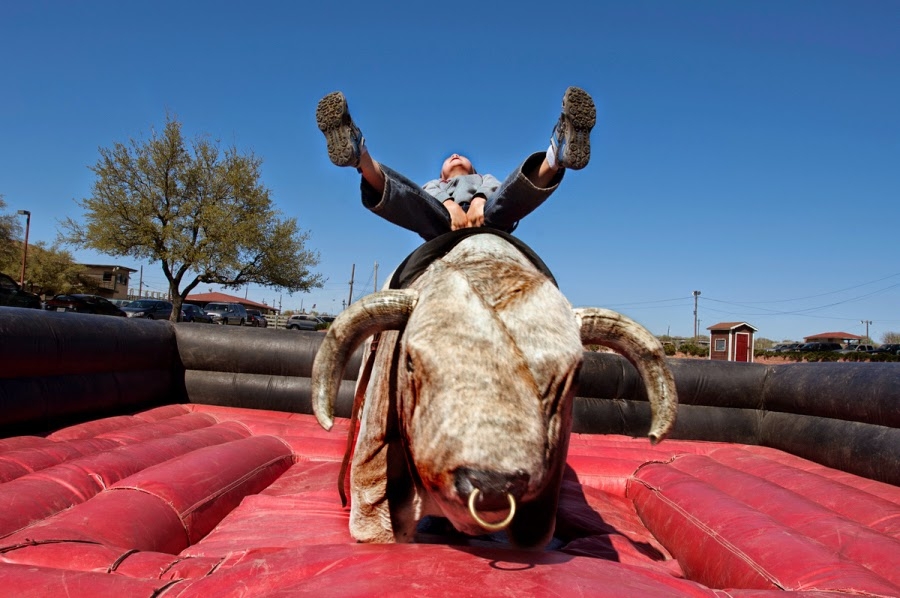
pixel 472 388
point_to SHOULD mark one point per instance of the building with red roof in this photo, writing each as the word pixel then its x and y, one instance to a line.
pixel 202 299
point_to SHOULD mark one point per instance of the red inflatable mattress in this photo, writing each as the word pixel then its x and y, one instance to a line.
pixel 197 501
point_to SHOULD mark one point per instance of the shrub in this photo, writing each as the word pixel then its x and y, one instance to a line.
pixel 693 350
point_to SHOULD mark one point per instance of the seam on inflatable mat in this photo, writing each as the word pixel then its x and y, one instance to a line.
pixel 208 497
pixel 713 534
pixel 234 484
pixel 183 514
pixel 120 559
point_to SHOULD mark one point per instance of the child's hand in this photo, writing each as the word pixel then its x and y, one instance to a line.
pixel 458 218
pixel 475 215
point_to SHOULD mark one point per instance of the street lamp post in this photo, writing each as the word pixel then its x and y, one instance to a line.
pixel 27 215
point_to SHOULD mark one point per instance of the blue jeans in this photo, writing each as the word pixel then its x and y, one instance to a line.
pixel 408 205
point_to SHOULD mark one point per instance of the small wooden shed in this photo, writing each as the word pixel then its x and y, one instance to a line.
pixel 731 341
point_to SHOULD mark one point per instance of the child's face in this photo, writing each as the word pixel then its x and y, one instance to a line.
pixel 455 165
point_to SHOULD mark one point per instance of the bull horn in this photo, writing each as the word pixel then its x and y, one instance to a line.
pixel 384 310
pixel 645 352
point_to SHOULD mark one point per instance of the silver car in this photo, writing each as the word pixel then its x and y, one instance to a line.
pixel 304 322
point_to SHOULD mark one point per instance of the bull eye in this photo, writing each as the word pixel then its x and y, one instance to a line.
pixel 409 363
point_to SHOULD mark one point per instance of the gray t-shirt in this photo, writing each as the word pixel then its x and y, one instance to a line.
pixel 462 189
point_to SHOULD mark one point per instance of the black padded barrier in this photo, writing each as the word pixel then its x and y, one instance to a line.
pixel 265 368
pixel 261 391
pixel 843 415
pixel 862 391
pixel 275 351
pixel 57 369
pixel 863 449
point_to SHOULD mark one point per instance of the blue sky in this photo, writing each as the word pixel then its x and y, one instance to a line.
pixel 748 150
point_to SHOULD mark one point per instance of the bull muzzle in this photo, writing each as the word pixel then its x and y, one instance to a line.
pixel 491 491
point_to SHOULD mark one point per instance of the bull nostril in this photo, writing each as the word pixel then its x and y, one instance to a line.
pixel 494 487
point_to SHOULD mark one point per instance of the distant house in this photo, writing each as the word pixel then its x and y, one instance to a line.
pixel 833 337
pixel 109 281
pixel 731 341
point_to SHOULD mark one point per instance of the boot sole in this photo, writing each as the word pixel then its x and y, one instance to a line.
pixel 333 119
pixel 579 109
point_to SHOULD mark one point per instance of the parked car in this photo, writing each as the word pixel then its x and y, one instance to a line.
pixel 194 313
pixel 305 322
pixel 82 304
pixel 807 347
pixel 228 313
pixel 858 349
pixel 889 348
pixel 150 309
pixel 257 318
pixel 777 348
pixel 12 296
pixel 120 302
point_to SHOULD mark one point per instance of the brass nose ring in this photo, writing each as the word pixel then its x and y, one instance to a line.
pixel 492 527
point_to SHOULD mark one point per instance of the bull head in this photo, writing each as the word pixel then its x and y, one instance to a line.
pixel 469 409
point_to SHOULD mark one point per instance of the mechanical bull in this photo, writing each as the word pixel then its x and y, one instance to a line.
pixel 468 411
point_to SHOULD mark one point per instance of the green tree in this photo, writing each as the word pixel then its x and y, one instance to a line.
pixel 48 270
pixel 10 243
pixel 199 210
pixel 53 270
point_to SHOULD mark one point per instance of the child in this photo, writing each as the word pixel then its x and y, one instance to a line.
pixel 461 197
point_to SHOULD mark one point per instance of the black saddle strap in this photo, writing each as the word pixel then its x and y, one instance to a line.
pixel 417 261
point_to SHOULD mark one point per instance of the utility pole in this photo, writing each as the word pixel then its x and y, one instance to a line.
pixel 352 274
pixel 696 322
pixel 866 322
pixel 27 215
pixel 141 283
pixel 375 290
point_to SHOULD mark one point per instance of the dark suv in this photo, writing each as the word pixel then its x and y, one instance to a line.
pixel 12 296
pixel 257 318
pixel 808 347
pixel 889 348
pixel 84 304
pixel 227 313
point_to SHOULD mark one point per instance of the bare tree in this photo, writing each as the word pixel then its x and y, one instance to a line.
pixel 890 337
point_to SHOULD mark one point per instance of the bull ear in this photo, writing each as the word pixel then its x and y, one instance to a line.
pixel 385 310
pixel 645 352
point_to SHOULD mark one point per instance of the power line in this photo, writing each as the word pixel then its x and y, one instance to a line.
pixel 825 294
pixel 634 303
pixel 806 310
